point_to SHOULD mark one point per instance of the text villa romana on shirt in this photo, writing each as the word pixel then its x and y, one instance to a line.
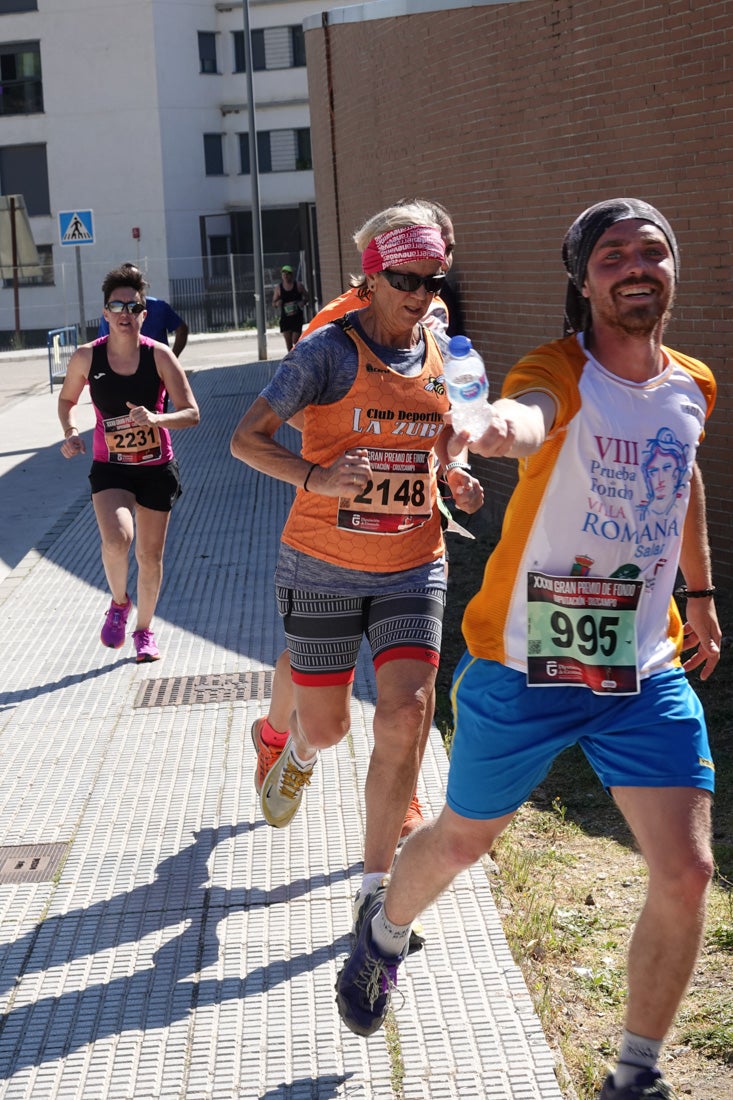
pixel 635 490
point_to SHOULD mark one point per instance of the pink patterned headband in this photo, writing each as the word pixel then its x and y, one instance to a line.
pixel 402 246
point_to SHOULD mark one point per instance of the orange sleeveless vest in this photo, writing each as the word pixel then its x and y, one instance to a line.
pixel 334 309
pixel 392 525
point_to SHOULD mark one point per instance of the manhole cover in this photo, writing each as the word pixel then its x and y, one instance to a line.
pixel 30 862
pixel 184 690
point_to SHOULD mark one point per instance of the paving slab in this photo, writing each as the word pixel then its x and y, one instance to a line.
pixel 182 949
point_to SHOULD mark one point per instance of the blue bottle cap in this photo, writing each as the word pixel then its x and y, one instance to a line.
pixel 459 346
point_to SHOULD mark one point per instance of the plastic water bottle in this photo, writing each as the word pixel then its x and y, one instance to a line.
pixel 468 387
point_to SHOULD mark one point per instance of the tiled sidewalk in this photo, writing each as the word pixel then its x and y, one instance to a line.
pixel 183 949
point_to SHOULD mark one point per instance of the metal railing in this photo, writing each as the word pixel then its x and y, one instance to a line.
pixel 61 344
pixel 211 294
pixel 223 297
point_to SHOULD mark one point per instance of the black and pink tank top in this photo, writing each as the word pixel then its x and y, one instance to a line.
pixel 116 438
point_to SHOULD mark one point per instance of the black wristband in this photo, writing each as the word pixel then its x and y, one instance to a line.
pixel 683 593
pixel 307 477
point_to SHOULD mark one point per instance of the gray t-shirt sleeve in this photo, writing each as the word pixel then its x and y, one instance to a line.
pixel 322 367
pixel 319 370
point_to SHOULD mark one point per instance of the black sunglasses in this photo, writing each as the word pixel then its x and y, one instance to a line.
pixel 125 307
pixel 409 283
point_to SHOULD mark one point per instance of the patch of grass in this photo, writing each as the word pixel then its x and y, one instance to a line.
pixel 397 1065
pixel 722 937
pixel 711 1036
pixel 569 885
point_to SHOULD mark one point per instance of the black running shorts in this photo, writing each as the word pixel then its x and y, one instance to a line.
pixel 154 487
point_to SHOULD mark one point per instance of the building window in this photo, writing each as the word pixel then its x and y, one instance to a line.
pixel 283 150
pixel 244 154
pixel 258 51
pixel 264 160
pixel 278 151
pixel 21 89
pixel 304 159
pixel 219 249
pixel 240 62
pixel 214 154
pixel 45 278
pixel 24 171
pixel 8 6
pixel 278 52
pixel 297 38
pixel 286 147
pixel 272 48
pixel 264 151
pixel 207 52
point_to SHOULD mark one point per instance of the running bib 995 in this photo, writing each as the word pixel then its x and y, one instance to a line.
pixel 581 631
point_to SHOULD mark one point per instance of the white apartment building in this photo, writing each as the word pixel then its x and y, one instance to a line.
pixel 135 116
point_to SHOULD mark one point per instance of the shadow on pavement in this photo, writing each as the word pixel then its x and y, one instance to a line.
pixel 153 997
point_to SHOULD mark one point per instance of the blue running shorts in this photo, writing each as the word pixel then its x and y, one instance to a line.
pixel 507 736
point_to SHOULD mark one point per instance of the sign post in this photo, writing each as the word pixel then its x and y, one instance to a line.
pixel 80 292
pixel 254 172
pixel 76 227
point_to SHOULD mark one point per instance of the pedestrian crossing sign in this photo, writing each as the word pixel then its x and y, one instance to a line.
pixel 76 227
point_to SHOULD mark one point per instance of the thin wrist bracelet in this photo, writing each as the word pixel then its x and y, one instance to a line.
pixel 457 466
pixel 68 431
pixel 684 593
pixel 307 477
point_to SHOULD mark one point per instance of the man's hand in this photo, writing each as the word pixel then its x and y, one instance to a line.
pixel 702 630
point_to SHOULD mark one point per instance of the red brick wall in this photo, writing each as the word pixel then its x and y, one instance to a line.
pixel 517 116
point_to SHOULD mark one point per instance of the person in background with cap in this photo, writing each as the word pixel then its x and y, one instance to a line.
pixel 575 637
pixel 362 551
pixel 290 297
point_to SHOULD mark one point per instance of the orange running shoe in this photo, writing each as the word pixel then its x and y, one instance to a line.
pixel 267 755
pixel 413 818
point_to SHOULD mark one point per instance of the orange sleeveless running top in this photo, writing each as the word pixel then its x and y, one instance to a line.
pixel 336 308
pixel 392 525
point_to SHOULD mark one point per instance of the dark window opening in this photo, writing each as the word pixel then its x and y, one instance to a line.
pixel 214 154
pixel 21 87
pixel 24 171
pixel 8 6
pixel 240 60
pixel 207 52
